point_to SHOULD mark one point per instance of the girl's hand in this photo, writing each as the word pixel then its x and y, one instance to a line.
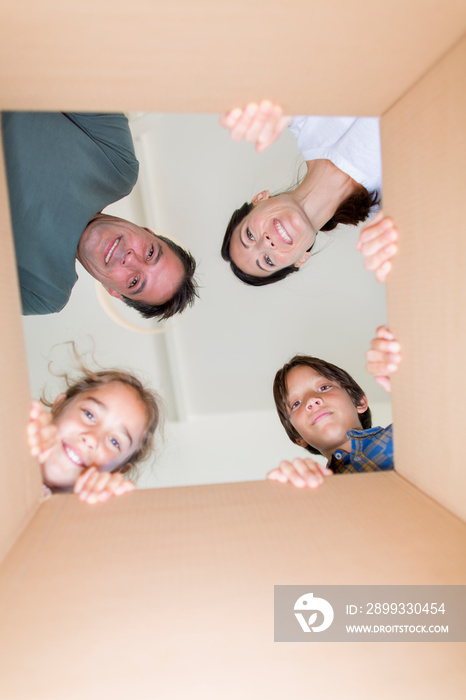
pixel 96 487
pixel 300 473
pixel 260 124
pixel 383 357
pixel 40 432
pixel 46 492
pixel 377 242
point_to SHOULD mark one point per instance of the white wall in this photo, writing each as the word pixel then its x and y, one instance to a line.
pixel 221 448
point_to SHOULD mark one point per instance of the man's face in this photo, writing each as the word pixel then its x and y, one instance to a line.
pixel 320 410
pixel 129 260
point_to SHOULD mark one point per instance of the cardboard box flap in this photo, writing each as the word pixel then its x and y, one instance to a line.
pixel 313 57
pixel 167 591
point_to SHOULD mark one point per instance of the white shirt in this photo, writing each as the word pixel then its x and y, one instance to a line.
pixel 350 143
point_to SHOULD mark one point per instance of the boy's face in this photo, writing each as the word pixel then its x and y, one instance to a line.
pixel 321 411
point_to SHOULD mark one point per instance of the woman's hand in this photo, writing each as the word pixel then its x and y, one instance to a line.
pixel 96 487
pixel 41 433
pixel 300 473
pixel 377 242
pixel 383 357
pixel 261 123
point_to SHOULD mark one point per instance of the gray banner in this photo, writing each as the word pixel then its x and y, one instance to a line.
pixel 370 613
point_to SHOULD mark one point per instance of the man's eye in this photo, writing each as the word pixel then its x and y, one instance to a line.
pixel 115 443
pixel 133 282
pixel 151 252
pixel 249 235
pixel 89 415
pixel 268 260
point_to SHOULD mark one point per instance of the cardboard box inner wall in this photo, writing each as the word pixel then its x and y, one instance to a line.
pixel 313 57
pixel 424 152
pixel 170 593
pixel 21 492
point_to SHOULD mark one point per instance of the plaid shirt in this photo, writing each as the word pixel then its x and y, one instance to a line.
pixel 371 451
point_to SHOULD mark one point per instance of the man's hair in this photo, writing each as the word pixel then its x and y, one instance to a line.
pixel 327 370
pixel 184 296
pixel 352 211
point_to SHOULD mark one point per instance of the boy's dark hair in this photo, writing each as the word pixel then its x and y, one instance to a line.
pixel 184 295
pixel 327 370
pixel 352 211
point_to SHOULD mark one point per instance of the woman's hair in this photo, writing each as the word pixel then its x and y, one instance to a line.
pixel 327 370
pixel 352 211
pixel 90 380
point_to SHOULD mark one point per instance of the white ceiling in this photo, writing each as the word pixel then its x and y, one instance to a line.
pixel 221 355
pixel 229 346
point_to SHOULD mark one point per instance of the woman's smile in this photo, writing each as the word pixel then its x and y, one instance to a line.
pixel 282 232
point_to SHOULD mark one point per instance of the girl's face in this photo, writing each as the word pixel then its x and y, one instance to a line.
pixel 101 427
pixel 275 234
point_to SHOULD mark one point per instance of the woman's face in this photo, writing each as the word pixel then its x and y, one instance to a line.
pixel 275 234
pixel 102 427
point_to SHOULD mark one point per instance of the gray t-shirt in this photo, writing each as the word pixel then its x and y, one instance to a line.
pixel 62 169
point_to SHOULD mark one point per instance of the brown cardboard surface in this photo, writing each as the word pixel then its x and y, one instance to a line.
pixel 169 593
pixel 424 147
pixel 20 485
pixel 204 55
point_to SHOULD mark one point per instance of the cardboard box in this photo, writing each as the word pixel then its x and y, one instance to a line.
pixel 169 593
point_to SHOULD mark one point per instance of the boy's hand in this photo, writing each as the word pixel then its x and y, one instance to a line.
pixel 377 242
pixel 300 473
pixel 383 357
pixel 96 487
pixel 40 432
pixel 261 123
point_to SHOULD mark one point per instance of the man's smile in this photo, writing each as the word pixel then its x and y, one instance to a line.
pixel 111 250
